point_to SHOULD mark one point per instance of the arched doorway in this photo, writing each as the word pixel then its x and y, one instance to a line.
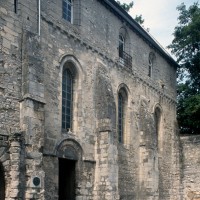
pixel 67 179
pixel 69 155
pixel 2 183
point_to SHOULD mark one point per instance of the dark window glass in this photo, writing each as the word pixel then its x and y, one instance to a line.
pixel 151 64
pixel 67 101
pixel 15 6
pixel 121 46
pixel 120 117
pixel 67 10
pixel 157 117
pixel 150 67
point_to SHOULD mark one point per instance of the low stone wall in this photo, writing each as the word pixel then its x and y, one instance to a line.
pixel 191 167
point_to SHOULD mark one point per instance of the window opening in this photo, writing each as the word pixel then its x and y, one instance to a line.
pixel 67 10
pixel 124 58
pixel 151 62
pixel 15 6
pixel 150 68
pixel 67 179
pixel 120 117
pixel 67 99
pixel 157 116
pixel 121 46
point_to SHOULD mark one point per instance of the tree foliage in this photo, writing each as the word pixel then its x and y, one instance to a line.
pixel 127 7
pixel 186 47
pixel 139 19
pixel 188 109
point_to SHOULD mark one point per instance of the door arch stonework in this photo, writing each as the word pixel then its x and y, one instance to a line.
pixel 69 149
pixel 69 154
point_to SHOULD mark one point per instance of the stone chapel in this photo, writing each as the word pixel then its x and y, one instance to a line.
pixel 88 107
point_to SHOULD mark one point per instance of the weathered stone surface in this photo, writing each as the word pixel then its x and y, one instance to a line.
pixel 147 165
pixel 190 162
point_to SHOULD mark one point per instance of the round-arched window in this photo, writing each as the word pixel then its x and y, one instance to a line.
pixel 121 46
pixel 67 99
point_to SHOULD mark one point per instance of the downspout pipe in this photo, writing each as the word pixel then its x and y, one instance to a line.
pixel 39 16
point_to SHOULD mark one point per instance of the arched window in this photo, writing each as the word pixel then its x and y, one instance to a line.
pixel 125 58
pixel 157 118
pixel 151 62
pixel 122 102
pixel 121 46
pixel 2 183
pixel 67 10
pixel 67 99
pixel 120 118
pixel 150 67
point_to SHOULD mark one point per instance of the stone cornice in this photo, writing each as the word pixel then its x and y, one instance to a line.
pixel 33 98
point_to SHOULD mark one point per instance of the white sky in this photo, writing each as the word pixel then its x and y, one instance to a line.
pixel 160 17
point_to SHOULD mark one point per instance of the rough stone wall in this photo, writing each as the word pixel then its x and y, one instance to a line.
pixel 10 68
pixel 190 161
pixel 149 174
pixel 107 27
pixel 10 95
pixel 21 99
pixel 85 43
pixel 144 167
pixel 32 113
pixel 106 172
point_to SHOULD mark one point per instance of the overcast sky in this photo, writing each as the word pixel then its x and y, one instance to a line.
pixel 160 16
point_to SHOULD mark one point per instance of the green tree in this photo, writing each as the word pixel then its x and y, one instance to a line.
pixel 186 47
pixel 139 19
pixel 127 7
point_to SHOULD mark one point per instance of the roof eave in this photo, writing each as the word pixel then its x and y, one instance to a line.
pixel 123 14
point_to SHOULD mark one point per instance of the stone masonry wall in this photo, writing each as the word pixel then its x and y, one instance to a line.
pixel 21 97
pixel 10 68
pixel 104 31
pixel 88 47
pixel 190 170
pixel 31 66
pixel 10 95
